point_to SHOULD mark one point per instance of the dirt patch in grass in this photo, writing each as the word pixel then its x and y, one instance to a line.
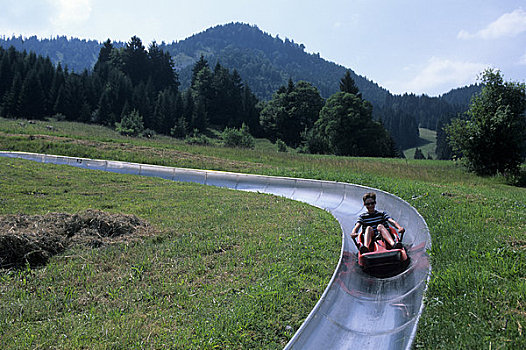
pixel 33 239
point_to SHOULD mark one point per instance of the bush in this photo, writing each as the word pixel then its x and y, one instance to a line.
pixel 131 124
pixel 197 139
pixel 518 178
pixel 148 133
pixel 59 117
pixel 238 137
pixel 282 146
pixel 180 128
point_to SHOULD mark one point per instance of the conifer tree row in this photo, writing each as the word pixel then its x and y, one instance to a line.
pixel 136 90
pixel 126 80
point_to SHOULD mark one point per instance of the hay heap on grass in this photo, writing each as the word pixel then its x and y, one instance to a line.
pixel 33 239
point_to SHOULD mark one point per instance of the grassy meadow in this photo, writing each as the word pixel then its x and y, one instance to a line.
pixel 427 144
pixel 241 270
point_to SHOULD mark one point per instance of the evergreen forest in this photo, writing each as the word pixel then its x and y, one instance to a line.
pixel 226 76
pixel 129 84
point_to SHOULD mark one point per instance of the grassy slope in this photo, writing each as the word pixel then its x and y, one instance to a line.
pixel 427 144
pixel 219 271
pixel 476 294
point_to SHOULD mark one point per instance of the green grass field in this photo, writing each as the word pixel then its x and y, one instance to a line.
pixel 178 289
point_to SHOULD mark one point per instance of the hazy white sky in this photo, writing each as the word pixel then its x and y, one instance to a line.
pixel 420 46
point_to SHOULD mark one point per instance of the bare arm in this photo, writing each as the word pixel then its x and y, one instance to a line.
pixel 397 225
pixel 354 232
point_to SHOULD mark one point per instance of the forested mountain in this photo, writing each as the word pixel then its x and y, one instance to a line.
pixel 265 63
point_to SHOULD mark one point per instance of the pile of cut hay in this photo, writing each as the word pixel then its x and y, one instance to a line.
pixel 33 239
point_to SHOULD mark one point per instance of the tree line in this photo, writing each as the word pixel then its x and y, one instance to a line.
pixel 77 54
pixel 128 83
pixel 266 63
pixel 342 125
pixel 137 91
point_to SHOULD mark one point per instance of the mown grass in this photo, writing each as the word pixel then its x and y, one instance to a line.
pixel 224 269
pixel 476 295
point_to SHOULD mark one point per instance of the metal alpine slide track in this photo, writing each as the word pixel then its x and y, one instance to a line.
pixel 355 310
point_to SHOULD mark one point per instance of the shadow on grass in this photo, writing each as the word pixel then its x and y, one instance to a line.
pixel 422 142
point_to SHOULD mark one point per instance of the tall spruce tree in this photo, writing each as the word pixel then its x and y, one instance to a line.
pixel 105 52
pixel 11 101
pixel 32 99
pixel 161 68
pixel 135 61
pixel 348 85
pixel 443 149
pixel 203 94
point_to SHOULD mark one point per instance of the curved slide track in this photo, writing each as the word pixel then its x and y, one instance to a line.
pixel 356 310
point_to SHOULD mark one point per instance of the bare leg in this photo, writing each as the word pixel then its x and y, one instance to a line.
pixel 386 235
pixel 369 232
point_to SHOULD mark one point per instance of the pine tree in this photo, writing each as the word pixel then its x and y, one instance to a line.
pixel 188 109
pixel 104 113
pixel 6 73
pixel 161 68
pixel 10 103
pixel 131 124
pixel 347 85
pixel 74 97
pixel 165 112
pixel 419 154
pixel 250 112
pixel 59 106
pixel 45 75
pixel 199 117
pixel 32 99
pixel 443 149
pixel 105 52
pixel 56 84
pixel 135 61
pixel 203 94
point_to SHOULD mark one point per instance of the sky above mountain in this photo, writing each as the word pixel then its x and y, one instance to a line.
pixel 424 47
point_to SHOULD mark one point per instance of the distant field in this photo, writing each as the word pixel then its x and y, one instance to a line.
pixel 137 295
pixel 428 144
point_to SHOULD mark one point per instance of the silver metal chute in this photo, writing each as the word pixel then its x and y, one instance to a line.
pixel 356 310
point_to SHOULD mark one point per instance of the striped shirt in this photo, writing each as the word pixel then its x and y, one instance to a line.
pixel 374 219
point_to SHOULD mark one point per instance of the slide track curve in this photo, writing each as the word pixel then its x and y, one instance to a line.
pixel 356 310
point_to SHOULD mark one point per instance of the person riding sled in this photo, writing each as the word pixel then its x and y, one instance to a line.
pixel 375 226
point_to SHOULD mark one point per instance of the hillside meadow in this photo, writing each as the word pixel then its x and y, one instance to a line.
pixel 222 269
pixel 427 144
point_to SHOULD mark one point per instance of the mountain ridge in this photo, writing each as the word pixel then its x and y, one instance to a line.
pixel 42 46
